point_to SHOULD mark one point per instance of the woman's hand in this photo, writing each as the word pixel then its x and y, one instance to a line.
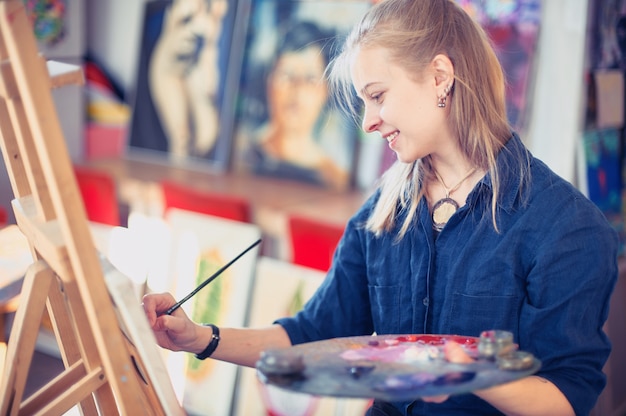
pixel 531 395
pixel 175 332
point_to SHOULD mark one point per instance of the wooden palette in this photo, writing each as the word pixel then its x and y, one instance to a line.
pixel 386 367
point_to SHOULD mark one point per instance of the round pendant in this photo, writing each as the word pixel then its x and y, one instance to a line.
pixel 442 211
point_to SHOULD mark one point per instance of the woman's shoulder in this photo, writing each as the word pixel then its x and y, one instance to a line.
pixel 533 187
pixel 561 202
pixel 549 184
pixel 541 179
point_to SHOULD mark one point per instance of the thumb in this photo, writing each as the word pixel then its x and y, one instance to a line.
pixel 455 353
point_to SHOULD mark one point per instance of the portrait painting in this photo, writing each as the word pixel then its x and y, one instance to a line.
pixel 286 125
pixel 181 96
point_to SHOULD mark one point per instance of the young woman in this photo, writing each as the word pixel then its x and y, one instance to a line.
pixel 467 231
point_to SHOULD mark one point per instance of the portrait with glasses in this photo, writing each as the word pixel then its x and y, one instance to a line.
pixel 286 125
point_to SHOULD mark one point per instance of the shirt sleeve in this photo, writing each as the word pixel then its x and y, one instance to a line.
pixel 568 292
pixel 340 307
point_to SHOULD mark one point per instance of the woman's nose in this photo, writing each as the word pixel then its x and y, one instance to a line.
pixel 371 121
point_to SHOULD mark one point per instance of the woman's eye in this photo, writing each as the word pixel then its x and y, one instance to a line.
pixel 377 98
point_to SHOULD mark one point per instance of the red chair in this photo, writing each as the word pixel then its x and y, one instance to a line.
pixel 184 197
pixel 99 194
pixel 4 217
pixel 313 242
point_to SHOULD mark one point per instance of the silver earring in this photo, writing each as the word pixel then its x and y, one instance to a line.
pixel 441 101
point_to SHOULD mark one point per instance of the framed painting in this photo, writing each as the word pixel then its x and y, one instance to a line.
pixel 513 26
pixel 601 174
pixel 281 289
pixel 607 34
pixel 285 124
pixel 182 95
pixel 59 27
pixel 202 244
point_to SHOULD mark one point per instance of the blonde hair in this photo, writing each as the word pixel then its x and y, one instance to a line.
pixel 414 32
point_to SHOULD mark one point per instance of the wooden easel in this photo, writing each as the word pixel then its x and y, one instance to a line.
pixel 105 368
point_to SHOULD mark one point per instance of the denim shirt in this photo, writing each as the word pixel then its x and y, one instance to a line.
pixel 546 275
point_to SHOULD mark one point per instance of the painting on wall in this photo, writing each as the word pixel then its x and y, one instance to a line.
pixel 601 178
pixel 608 34
pixel 285 124
pixel 201 245
pixel 281 289
pixel 183 75
pixel 602 156
pixel 58 27
pixel 513 26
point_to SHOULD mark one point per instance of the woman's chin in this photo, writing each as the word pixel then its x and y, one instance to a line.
pixel 402 159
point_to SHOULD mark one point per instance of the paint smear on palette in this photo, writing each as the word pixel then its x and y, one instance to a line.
pixel 208 303
pixel 406 349
pixel 410 349
pixel 411 382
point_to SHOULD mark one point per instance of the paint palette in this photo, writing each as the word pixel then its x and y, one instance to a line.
pixel 388 367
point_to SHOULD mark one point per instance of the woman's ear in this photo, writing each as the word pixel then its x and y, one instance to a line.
pixel 443 70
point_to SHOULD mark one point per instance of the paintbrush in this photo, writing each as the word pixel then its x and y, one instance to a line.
pixel 210 279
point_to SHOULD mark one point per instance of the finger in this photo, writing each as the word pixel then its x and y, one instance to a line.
pixel 147 302
pixel 435 399
pixel 156 303
pixel 177 322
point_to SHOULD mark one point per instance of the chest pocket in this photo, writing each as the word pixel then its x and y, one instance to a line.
pixel 471 314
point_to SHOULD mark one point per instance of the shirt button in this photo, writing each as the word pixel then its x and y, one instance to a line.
pixel 425 301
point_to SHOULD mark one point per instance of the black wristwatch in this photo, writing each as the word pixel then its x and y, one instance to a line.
pixel 215 339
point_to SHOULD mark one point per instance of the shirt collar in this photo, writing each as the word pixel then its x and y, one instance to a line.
pixel 513 164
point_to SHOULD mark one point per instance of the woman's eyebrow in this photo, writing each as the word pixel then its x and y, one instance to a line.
pixel 367 86
pixel 363 91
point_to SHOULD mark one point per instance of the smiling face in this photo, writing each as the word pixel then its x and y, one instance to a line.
pixel 400 106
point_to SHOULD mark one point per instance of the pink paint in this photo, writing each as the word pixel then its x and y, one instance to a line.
pixel 407 348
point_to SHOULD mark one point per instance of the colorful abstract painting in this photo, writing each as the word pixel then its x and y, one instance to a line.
pixel 58 26
pixel 513 26
pixel 48 18
pixel 603 174
pixel 602 156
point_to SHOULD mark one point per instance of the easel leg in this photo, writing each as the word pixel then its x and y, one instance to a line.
pixel 23 336
pixel 72 350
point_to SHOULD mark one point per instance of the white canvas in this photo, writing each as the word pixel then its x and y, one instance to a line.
pixel 281 289
pixel 208 242
pixel 133 322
